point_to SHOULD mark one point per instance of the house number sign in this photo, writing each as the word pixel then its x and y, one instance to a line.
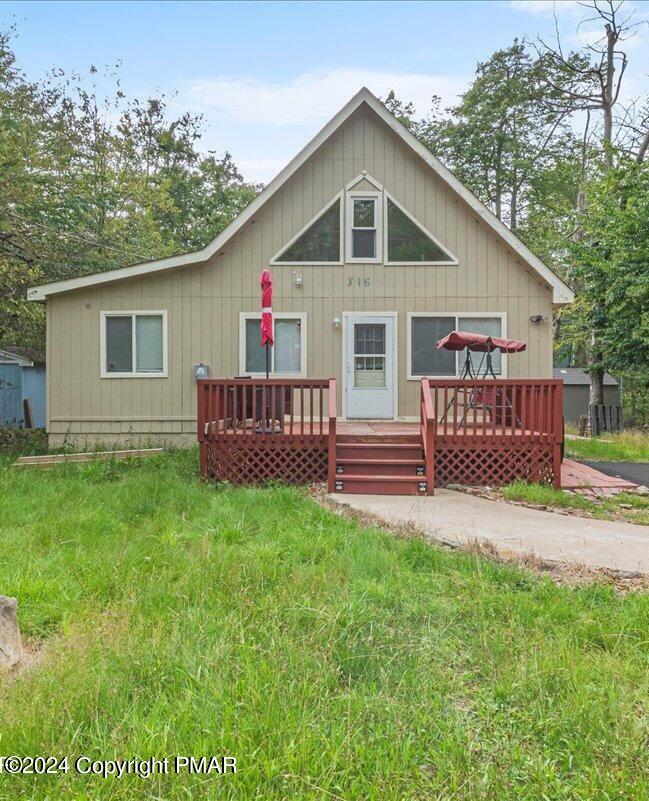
pixel 359 281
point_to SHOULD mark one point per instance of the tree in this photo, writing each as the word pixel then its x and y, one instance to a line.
pixel 592 84
pixel 500 136
pixel 89 184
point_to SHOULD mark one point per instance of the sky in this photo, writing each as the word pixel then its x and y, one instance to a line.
pixel 268 75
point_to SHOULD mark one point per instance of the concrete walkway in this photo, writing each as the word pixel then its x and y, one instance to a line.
pixel 458 519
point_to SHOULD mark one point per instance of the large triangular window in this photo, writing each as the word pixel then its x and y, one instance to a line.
pixel 408 242
pixel 318 243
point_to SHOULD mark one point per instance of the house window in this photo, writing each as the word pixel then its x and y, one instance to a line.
pixel 424 330
pixel 318 243
pixel 133 344
pixel 408 242
pixel 364 226
pixel 287 355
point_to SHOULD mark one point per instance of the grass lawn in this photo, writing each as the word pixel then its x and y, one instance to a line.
pixel 334 661
pixel 629 446
pixel 627 506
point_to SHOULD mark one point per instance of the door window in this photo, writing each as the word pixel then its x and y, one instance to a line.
pixel 369 356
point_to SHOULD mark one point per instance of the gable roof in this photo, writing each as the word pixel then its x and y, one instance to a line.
pixel 576 377
pixel 561 292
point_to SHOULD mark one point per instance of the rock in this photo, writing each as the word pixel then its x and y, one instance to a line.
pixel 642 490
pixel 11 645
pixel 455 487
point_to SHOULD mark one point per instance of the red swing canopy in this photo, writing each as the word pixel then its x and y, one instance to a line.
pixel 481 343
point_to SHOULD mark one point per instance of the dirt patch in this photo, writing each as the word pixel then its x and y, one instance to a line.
pixel 33 654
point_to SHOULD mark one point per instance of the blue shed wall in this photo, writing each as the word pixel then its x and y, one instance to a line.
pixel 34 389
pixel 17 383
pixel 11 399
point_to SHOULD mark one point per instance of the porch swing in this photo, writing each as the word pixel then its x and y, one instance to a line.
pixel 485 398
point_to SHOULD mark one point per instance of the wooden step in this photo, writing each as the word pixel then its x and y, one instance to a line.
pixel 381 485
pixel 385 451
pixel 379 439
pixel 377 467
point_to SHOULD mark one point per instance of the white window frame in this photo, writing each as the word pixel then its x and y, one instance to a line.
pixel 458 354
pixel 276 258
pixel 452 262
pixel 301 316
pixel 132 314
pixel 377 197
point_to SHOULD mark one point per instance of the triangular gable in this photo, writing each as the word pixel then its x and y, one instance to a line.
pixel 319 242
pixel 407 241
pixel 561 292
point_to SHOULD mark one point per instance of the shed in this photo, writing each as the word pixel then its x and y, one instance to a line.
pixel 22 377
pixel 576 392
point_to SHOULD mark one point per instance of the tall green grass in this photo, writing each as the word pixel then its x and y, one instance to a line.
pixel 630 506
pixel 628 446
pixel 333 660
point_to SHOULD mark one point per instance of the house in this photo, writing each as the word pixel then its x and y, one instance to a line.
pixel 376 251
pixel 576 392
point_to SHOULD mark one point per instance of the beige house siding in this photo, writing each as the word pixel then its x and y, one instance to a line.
pixel 203 301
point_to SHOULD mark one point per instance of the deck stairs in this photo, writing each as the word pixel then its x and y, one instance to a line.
pixel 380 464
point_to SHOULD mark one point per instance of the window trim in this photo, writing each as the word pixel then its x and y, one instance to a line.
pixel 103 315
pixel 456 315
pixel 452 262
pixel 301 316
pixel 293 240
pixel 377 197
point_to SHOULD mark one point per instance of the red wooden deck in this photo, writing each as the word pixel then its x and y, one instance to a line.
pixel 469 432
pixel 586 480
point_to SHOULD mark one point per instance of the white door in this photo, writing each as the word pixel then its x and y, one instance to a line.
pixel 369 382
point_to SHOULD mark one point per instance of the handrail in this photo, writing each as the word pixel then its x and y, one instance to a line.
pixel 266 409
pixel 331 465
pixel 492 411
pixel 428 425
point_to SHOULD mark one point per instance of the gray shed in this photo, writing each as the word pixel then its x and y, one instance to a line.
pixel 576 392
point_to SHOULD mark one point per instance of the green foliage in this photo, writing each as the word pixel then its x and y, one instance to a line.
pixel 332 659
pixel 90 184
pixel 23 441
pixel 625 506
pixel 629 446
pixel 579 202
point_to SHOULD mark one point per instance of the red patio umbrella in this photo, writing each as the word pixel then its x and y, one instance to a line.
pixel 267 338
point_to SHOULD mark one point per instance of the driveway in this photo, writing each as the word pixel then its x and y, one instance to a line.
pixel 459 519
pixel 638 472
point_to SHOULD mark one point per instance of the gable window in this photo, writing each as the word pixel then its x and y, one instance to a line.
pixel 133 344
pixel 424 330
pixel 364 226
pixel 288 354
pixel 407 242
pixel 318 243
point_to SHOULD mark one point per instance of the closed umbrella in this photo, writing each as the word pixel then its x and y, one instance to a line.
pixel 267 338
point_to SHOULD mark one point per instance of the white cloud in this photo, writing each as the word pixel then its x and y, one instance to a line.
pixel 312 96
pixel 547 7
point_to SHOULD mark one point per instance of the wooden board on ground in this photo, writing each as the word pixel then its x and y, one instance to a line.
pixel 586 480
pixel 57 458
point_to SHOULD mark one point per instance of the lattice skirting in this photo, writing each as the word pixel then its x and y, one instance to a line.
pixel 493 467
pixel 256 464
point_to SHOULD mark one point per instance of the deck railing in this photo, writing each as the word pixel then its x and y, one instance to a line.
pixel 492 410
pixel 428 426
pixel 263 409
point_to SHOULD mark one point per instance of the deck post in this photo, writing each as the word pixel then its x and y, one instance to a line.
pixel 201 420
pixel 558 434
pixel 428 430
pixel 331 450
